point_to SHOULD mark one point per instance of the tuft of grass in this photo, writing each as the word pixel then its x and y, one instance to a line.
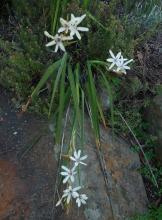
pixel 153 214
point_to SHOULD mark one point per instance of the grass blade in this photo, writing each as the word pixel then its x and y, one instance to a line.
pixel 61 106
pixel 75 91
pixel 51 69
pixel 56 82
pixel 93 103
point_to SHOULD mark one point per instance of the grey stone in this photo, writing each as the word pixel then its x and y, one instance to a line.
pixel 125 195
pixel 31 167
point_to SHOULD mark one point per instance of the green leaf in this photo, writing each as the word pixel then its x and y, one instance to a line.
pixel 82 117
pixel 92 97
pixel 75 90
pixel 51 69
pixel 55 11
pixel 56 81
pixel 98 62
pixel 61 107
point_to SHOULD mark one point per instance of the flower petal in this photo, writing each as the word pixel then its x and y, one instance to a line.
pixel 76 164
pixel 72 158
pixel 84 196
pixel 78 35
pixel 64 173
pixel 65 179
pixel 77 188
pixel 84 157
pixel 78 202
pixel 83 201
pixel 83 163
pixel 65 168
pixel 111 60
pixel 118 55
pixel 51 43
pixel 126 67
pixel 72 178
pixel 59 202
pixel 75 154
pixel 48 35
pixel 111 53
pixel 61 29
pixel 68 189
pixel 82 17
pixel 82 29
pixel 56 48
pixel 61 46
pixel 79 153
pixel 112 65
pixel 68 198
pixel 75 194
pixel 129 61
pixel 63 22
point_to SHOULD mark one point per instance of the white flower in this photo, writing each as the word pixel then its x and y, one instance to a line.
pixel 119 64
pixel 81 199
pixel 68 173
pixel 57 40
pixel 69 193
pixel 77 158
pixel 114 59
pixel 72 26
pixel 122 66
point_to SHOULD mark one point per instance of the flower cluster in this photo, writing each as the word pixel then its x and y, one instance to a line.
pixel 118 62
pixel 67 32
pixel 69 177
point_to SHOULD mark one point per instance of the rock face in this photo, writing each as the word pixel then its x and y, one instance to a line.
pixel 154 116
pixel 125 194
pixel 28 167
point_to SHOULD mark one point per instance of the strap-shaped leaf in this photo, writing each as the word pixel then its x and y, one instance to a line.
pixel 51 69
pixel 92 97
pixel 56 81
pixel 61 107
pixel 74 85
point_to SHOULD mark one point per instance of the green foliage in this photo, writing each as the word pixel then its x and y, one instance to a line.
pixel 18 69
pixel 73 80
pixel 153 214
pixel 56 10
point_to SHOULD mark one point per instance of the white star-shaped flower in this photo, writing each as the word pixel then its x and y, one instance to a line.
pixel 57 40
pixel 77 158
pixel 68 173
pixel 118 62
pixel 72 26
pixel 81 199
pixel 69 193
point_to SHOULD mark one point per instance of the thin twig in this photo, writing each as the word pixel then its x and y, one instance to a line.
pixel 145 157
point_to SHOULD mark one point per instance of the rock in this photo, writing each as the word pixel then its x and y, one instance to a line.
pixel 27 165
pixel 32 167
pixel 125 195
pixel 12 193
pixel 154 116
